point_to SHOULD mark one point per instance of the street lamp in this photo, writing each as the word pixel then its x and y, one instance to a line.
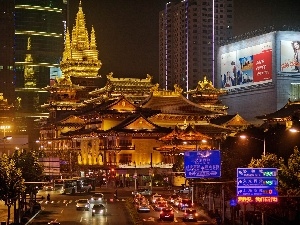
pixel 263 140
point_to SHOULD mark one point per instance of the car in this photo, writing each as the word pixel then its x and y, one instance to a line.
pixel 184 204
pixel 83 204
pixel 48 188
pixel 97 197
pixel 53 223
pixel 172 198
pixel 166 214
pixel 142 191
pixel 190 215
pixel 155 197
pixel 185 190
pixel 160 206
pixel 98 209
pixel 144 207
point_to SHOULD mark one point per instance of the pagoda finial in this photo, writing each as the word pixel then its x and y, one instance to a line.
pixel 93 39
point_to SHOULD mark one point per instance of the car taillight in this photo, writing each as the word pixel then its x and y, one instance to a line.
pixel 172 212
pixel 196 214
pixel 185 214
pixel 161 212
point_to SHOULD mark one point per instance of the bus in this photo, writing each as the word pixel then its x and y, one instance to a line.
pixel 74 185
pixel 66 186
pixel 87 184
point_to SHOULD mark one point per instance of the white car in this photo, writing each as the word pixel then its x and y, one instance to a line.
pixel 97 197
pixel 144 207
pixel 83 204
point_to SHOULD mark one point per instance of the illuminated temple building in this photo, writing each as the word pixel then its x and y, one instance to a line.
pixel 129 124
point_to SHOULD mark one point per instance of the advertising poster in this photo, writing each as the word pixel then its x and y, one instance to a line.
pixel 247 66
pixel 290 56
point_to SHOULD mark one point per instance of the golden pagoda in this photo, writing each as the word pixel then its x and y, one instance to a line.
pixel 80 57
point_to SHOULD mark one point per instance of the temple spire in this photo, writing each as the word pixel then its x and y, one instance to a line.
pixel 93 39
pixel 80 56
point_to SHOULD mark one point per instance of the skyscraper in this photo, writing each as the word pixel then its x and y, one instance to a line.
pixel 7 49
pixel 189 32
pixel 44 22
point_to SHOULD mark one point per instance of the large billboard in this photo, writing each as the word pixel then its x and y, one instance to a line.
pixel 290 56
pixel 247 66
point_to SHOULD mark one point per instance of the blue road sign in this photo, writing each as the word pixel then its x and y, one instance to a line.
pixel 202 164
pixel 257 182
pixel 257 191
pixel 256 172
pixel 261 182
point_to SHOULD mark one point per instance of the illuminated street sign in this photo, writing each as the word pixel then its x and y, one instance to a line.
pixel 202 164
pixel 257 184
pixel 257 199
pixel 256 172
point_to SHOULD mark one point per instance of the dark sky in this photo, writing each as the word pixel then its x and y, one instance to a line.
pixel 127 30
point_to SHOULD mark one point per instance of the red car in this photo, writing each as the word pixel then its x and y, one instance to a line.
pixel 167 214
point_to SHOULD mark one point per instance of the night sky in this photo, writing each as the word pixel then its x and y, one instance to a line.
pixel 127 30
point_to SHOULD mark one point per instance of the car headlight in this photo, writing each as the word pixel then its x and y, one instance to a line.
pixel 101 211
pixel 93 210
pixel 86 205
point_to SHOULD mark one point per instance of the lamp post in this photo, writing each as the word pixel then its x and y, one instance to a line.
pixel 263 140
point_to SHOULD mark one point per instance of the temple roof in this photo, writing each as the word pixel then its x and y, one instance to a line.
pixel 135 89
pixel 285 113
pixel 230 121
pixel 173 102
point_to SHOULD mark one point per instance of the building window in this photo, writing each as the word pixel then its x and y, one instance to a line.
pixel 125 158
pixel 295 93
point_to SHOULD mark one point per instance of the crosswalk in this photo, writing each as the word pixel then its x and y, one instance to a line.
pixel 71 201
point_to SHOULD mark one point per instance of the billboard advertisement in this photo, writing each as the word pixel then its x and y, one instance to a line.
pixel 290 56
pixel 247 66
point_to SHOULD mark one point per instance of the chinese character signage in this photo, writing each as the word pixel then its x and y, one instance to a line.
pixel 202 164
pixel 257 184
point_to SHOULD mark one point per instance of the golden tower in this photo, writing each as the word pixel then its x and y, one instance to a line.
pixel 80 57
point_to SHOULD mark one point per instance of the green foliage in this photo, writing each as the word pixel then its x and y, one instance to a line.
pixel 11 180
pixel 27 161
pixel 290 179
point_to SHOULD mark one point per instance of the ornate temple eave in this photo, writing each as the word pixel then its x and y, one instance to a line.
pixel 180 117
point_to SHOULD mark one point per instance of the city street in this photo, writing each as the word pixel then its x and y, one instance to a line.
pixel 62 208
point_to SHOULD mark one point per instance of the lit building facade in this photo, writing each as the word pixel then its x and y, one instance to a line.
pixel 260 72
pixel 189 33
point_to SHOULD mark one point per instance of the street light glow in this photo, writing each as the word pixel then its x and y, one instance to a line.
pixel 263 140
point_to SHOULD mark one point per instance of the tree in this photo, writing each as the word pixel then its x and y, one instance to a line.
pixel 11 182
pixel 290 179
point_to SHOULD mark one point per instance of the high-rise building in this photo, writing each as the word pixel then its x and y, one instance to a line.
pixel 7 49
pixel 44 23
pixel 189 32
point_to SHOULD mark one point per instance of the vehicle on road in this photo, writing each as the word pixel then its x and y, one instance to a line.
pixel 184 204
pixel 160 206
pixel 167 214
pixel 98 209
pixel 48 187
pixel 97 197
pixel 155 197
pixel 190 215
pixel 54 223
pixel 144 207
pixel 83 204
pixel 142 191
pixel 172 198
pixel 185 190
